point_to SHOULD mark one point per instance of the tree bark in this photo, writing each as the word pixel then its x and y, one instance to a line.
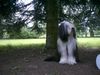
pixel 91 33
pixel 52 24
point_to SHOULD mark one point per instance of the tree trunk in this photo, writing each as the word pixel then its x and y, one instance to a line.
pixel 52 24
pixel 91 33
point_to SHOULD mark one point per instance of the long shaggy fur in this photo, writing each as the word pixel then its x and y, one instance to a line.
pixel 67 46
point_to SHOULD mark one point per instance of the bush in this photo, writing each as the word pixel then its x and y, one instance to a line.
pixel 28 33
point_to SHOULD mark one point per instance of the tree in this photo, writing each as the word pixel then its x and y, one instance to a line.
pixel 52 23
pixel 47 12
pixel 7 11
pixel 7 7
pixel 73 10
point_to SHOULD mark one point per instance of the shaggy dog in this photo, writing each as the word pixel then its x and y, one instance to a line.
pixel 66 43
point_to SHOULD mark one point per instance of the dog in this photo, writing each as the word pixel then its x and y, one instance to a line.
pixel 66 43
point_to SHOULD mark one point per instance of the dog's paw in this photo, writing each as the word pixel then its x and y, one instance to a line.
pixel 63 61
pixel 71 61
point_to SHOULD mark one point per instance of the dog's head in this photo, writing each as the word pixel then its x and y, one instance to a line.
pixel 66 30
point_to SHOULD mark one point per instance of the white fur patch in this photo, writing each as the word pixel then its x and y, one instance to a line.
pixel 71 47
pixel 62 50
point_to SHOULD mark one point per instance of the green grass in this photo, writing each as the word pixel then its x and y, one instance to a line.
pixel 30 43
pixel 21 43
pixel 16 42
pixel 89 42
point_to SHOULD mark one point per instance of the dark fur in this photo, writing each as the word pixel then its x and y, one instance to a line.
pixel 62 32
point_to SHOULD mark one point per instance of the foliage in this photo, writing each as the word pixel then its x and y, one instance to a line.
pixel 28 33
pixel 84 13
pixel 14 16
pixel 7 7
pixel 8 21
pixel 24 33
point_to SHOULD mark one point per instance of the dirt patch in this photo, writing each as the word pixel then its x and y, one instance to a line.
pixel 31 62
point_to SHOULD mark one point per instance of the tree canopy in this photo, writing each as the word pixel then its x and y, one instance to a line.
pixel 14 15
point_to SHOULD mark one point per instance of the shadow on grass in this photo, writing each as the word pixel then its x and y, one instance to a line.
pixel 14 48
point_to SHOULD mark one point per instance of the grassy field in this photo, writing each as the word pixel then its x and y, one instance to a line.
pixel 89 42
pixel 21 43
pixel 17 42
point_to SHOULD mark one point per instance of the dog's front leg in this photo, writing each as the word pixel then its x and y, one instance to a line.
pixel 62 51
pixel 71 47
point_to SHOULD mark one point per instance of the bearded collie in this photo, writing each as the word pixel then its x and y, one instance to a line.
pixel 66 43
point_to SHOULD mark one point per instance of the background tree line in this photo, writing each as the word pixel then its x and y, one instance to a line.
pixel 14 17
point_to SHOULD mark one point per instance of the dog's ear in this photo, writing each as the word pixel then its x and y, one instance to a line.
pixel 74 32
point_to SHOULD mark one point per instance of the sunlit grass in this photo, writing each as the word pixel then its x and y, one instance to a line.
pixel 21 43
pixel 89 42
pixel 38 43
pixel 17 42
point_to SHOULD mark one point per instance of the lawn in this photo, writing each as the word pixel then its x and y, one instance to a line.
pixel 89 42
pixel 20 43
pixel 17 42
